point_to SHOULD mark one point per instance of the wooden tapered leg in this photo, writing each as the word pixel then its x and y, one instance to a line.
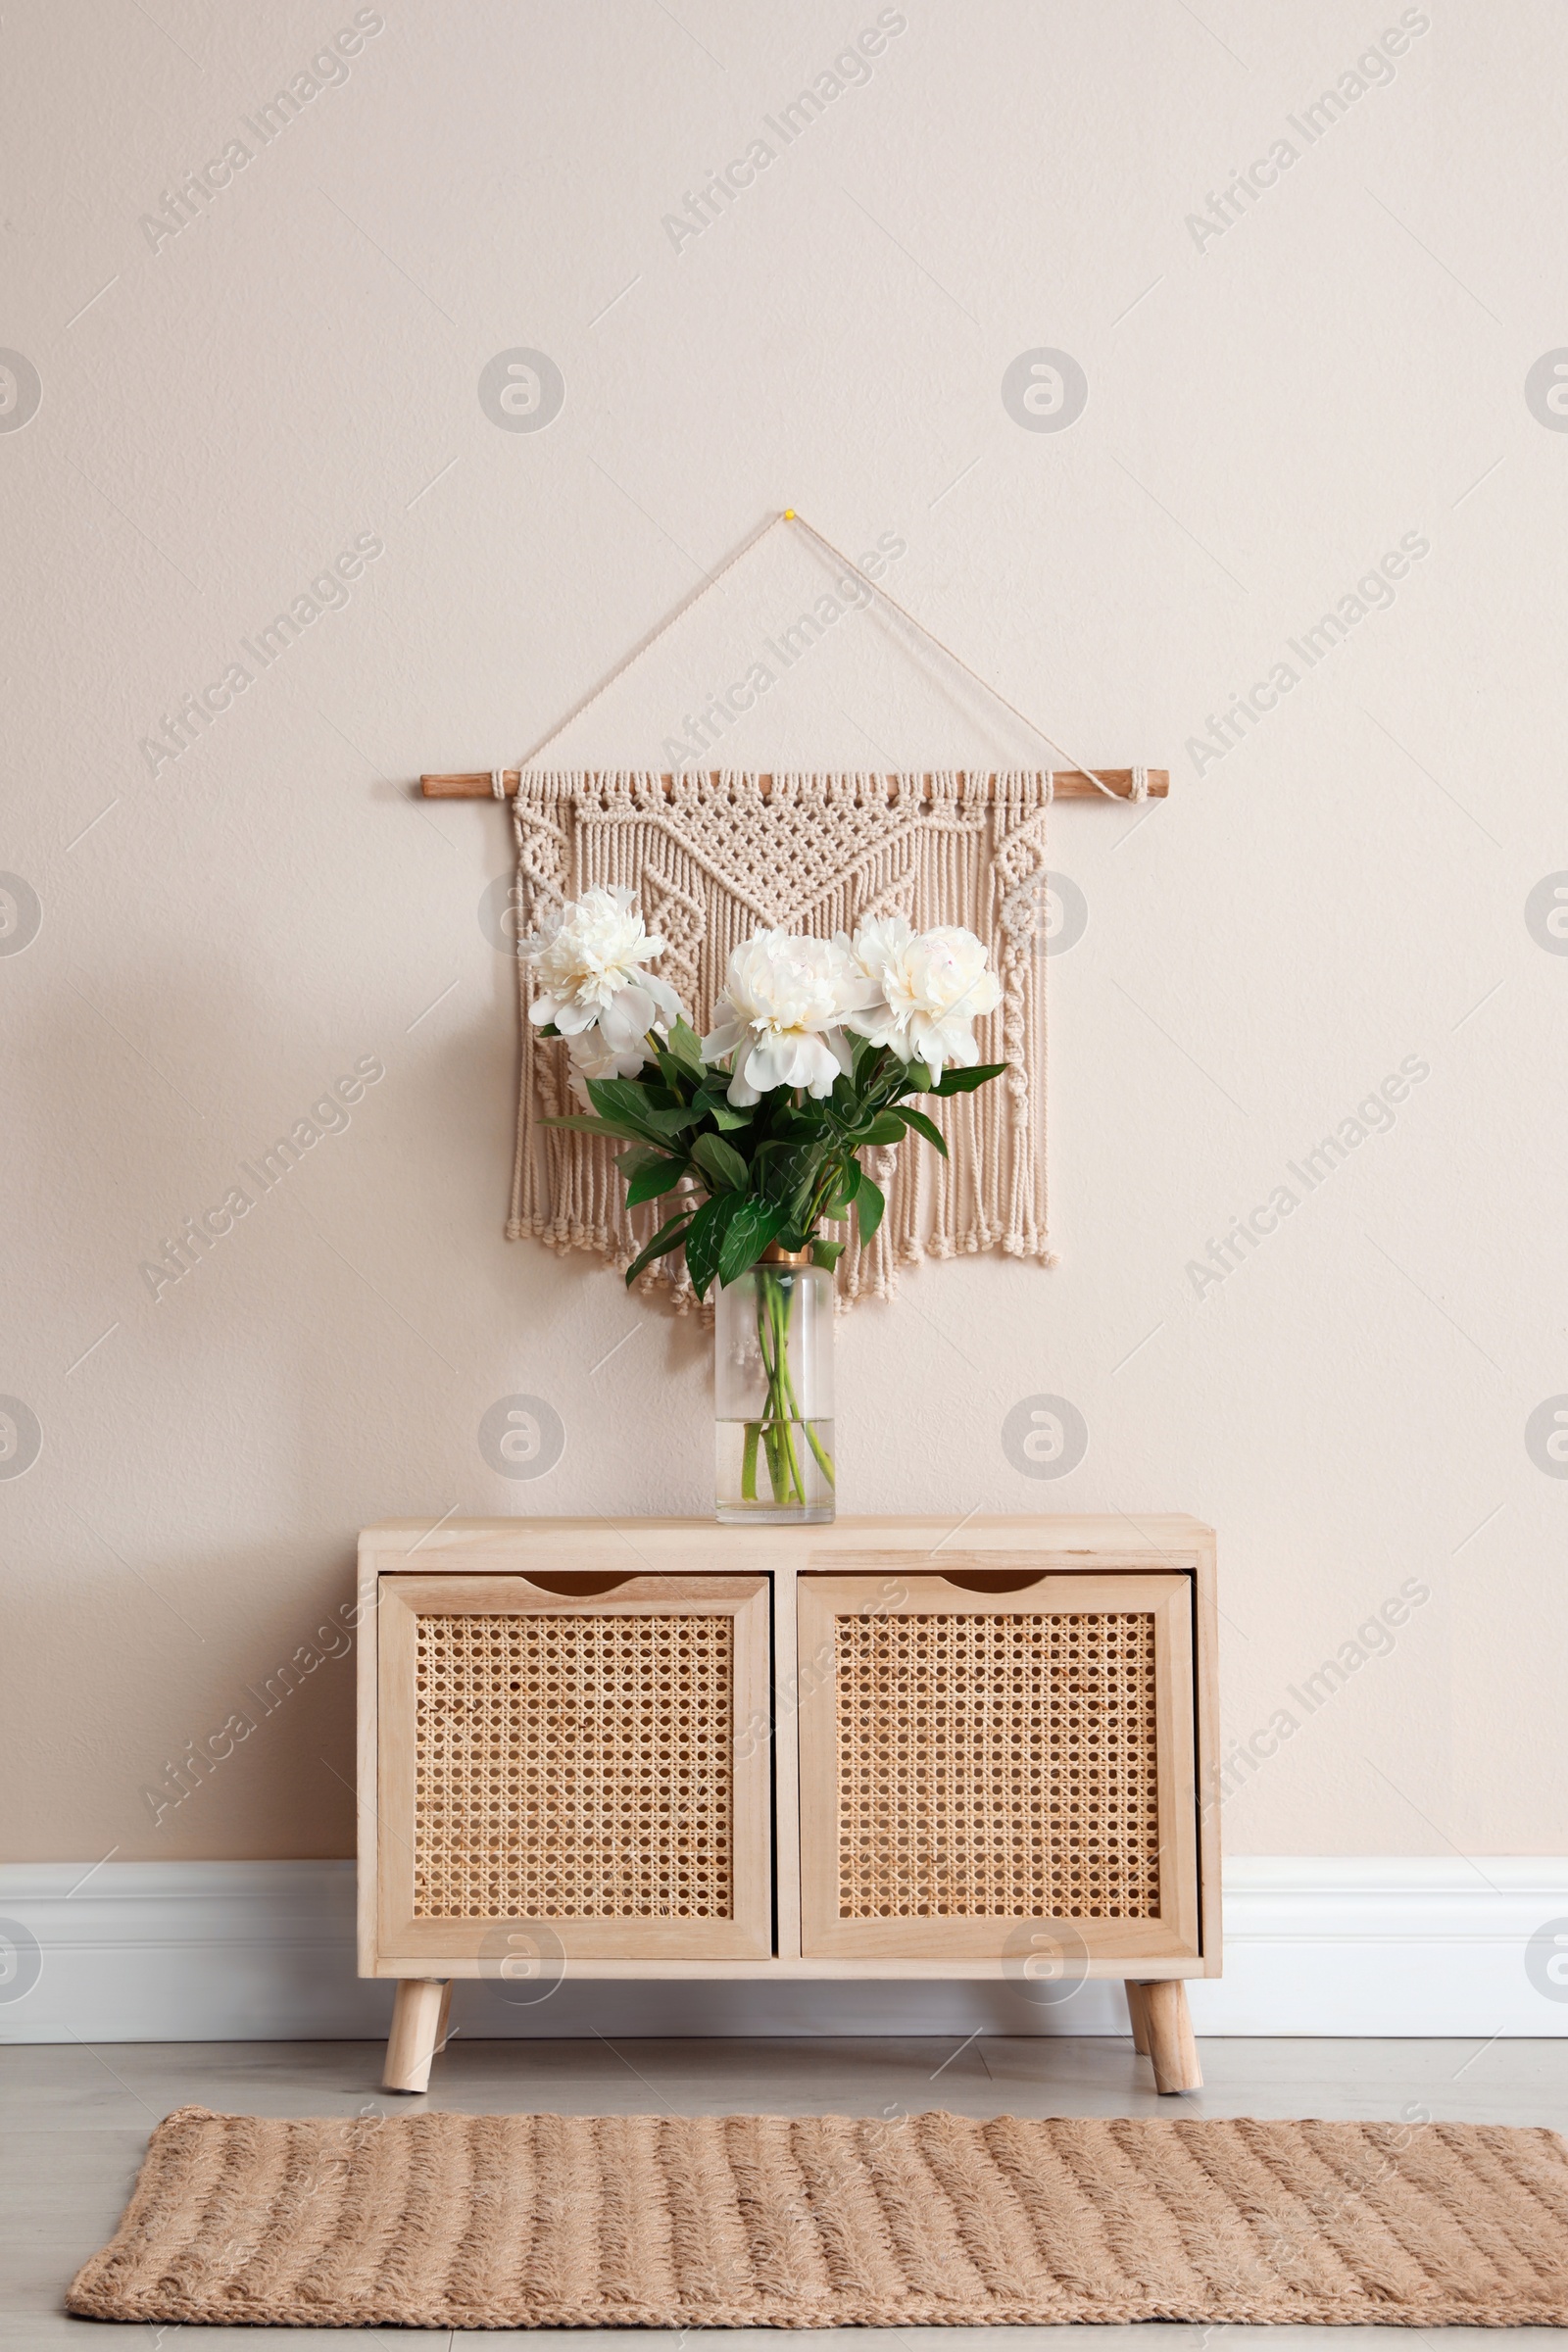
pixel 418 2031
pixel 1169 2024
pixel 1136 2017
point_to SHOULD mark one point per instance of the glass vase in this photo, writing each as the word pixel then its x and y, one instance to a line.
pixel 773 1393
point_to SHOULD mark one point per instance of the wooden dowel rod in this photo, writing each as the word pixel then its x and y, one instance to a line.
pixel 1071 784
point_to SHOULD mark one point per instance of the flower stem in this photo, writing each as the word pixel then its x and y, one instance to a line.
pixel 771 1429
pixel 775 1432
pixel 776 1459
pixel 782 1303
pixel 824 1460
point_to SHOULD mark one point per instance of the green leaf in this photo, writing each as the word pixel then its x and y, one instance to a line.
pixel 668 1237
pixel 885 1128
pixel 789 1168
pixel 619 1128
pixel 625 1098
pixel 687 1048
pixel 964 1081
pixel 870 1202
pixel 806 1126
pixel 754 1223
pixel 722 1162
pixel 917 1078
pixel 617 1098
pixel 926 1127
pixel 825 1252
pixel 850 1177
pixel 641 1155
pixel 704 1239
pixel 656 1175
pixel 710 1100
pixel 631 1109
pixel 675 1121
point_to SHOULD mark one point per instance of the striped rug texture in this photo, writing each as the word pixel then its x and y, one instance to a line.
pixel 745 2220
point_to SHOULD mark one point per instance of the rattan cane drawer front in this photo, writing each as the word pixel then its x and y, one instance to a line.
pixel 970 1763
pixel 962 1736
pixel 575 1764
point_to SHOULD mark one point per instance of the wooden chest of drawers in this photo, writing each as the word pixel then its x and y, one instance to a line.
pixel 887 1748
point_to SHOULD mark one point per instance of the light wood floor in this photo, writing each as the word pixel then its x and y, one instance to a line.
pixel 73 2122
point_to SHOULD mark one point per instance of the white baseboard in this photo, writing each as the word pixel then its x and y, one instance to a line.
pixel 263 1951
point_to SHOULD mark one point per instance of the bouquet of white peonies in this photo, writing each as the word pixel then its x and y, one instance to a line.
pixel 815 1049
pixel 753 1133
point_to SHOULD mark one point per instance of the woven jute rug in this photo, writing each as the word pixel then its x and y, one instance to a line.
pixel 741 2221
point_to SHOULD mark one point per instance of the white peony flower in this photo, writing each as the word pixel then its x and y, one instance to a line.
pixel 593 985
pixel 930 989
pixel 781 1016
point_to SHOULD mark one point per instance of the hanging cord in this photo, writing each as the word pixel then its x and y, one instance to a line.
pixel 712 580
pixel 1140 776
pixel 983 684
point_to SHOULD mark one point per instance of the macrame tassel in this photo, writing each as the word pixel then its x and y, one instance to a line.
pixel 541 882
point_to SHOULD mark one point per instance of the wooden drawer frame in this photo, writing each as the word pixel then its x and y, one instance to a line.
pixel 746 1934
pixel 1165 1597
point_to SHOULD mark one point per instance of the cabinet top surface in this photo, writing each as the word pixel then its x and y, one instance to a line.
pixel 934 1537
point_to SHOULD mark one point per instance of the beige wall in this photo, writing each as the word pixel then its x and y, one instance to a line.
pixel 1271 409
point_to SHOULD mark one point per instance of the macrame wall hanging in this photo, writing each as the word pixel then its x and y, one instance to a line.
pixel 716 856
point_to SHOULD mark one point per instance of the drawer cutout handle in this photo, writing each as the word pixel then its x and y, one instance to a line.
pixel 994 1580
pixel 578 1584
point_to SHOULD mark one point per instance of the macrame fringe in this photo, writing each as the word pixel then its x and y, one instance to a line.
pixel 714 860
